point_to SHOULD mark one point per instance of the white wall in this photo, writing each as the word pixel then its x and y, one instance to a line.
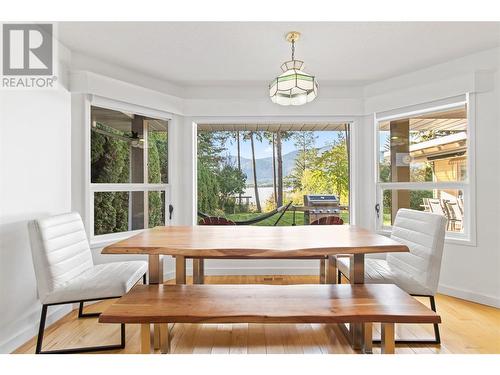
pixel 35 141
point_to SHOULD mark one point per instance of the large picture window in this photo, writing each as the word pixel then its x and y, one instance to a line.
pixel 423 164
pixel 128 171
pixel 248 171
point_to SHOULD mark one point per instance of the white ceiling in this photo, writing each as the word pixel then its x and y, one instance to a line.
pixel 193 53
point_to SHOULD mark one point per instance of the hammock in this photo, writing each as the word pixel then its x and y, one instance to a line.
pixel 257 219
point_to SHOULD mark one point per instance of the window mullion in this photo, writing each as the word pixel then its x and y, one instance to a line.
pixel 127 187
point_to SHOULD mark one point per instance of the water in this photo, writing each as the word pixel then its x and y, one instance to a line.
pixel 265 192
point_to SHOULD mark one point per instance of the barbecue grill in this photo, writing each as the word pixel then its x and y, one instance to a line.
pixel 317 206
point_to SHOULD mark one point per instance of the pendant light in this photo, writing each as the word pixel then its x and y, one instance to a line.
pixel 293 86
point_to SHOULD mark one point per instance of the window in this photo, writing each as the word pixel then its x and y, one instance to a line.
pixel 247 171
pixel 128 171
pixel 423 164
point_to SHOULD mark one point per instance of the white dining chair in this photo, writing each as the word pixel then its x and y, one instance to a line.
pixel 416 272
pixel 66 273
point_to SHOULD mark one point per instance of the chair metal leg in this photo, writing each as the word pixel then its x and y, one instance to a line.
pixel 41 329
pixel 81 314
pixel 437 336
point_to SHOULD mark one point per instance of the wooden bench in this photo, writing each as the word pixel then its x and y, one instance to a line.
pixel 366 304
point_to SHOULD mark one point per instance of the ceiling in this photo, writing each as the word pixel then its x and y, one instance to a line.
pixel 204 53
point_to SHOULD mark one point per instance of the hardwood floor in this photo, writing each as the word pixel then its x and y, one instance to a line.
pixel 467 328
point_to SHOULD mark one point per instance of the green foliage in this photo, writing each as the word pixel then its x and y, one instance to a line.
pixel 208 189
pixel 217 180
pixel 231 181
pixel 328 172
pixel 110 163
pixel 416 198
pixel 308 154
pixel 157 173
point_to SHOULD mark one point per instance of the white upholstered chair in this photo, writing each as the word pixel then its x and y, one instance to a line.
pixel 66 273
pixel 416 272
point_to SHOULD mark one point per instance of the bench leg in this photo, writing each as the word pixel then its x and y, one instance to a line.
pixel 368 340
pixel 145 338
pixel 156 336
pixel 198 271
pixel 180 270
pixel 322 269
pixel 165 338
pixel 357 276
pixel 387 342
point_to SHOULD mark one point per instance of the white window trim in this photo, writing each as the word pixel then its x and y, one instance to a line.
pixel 353 121
pixel 468 186
pixel 92 188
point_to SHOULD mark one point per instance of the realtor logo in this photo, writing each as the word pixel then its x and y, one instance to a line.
pixel 27 49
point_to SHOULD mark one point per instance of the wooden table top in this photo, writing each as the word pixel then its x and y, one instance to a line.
pixel 268 304
pixel 255 241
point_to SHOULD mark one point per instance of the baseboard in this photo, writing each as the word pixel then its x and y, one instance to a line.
pixel 237 271
pixel 31 326
pixel 469 295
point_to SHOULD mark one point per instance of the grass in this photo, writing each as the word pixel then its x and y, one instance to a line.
pixel 286 220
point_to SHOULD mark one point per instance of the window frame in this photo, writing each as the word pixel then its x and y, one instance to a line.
pixel 354 124
pixel 468 237
pixel 92 188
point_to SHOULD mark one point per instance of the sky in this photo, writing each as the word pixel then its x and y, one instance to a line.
pixel 264 149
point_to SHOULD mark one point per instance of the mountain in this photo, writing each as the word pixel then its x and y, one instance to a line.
pixel 264 167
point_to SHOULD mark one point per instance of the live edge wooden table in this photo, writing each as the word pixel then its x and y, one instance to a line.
pixel 256 242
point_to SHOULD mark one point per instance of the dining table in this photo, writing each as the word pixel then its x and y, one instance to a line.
pixel 257 242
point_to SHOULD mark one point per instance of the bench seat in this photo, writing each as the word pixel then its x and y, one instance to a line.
pixel 387 304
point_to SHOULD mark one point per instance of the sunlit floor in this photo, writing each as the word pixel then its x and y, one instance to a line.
pixel 467 328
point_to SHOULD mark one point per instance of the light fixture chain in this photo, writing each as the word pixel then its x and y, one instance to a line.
pixel 293 49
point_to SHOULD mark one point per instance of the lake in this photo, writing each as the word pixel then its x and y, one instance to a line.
pixel 265 192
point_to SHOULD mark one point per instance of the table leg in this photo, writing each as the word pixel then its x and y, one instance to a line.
pixel 331 270
pixel 368 339
pixel 357 276
pixel 145 338
pixel 198 271
pixel 322 269
pixel 387 338
pixel 155 270
pixel 357 269
pixel 180 270
pixel 165 338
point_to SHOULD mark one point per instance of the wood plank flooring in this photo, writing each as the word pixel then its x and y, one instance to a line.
pixel 467 328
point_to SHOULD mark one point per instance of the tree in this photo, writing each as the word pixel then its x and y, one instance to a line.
pixel 304 141
pixel 110 159
pixel 208 189
pixel 280 137
pixel 157 165
pixel 329 172
pixel 250 135
pixel 231 181
pixel 271 138
pixel 209 156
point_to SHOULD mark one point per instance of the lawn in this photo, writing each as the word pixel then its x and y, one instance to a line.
pixel 287 218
